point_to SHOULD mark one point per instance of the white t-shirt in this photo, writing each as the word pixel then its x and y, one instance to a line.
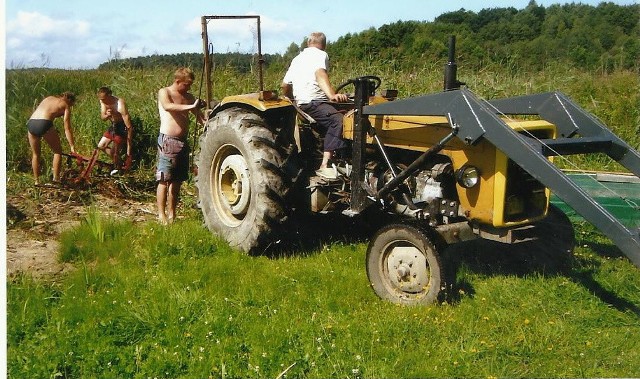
pixel 302 75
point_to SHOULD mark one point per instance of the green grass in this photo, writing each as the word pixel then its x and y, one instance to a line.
pixel 173 302
pixel 149 301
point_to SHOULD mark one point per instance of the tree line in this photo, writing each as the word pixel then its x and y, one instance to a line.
pixel 604 37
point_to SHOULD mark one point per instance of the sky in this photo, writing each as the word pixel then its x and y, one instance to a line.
pixel 81 34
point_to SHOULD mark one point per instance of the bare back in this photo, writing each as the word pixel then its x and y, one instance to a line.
pixel 50 108
pixel 174 122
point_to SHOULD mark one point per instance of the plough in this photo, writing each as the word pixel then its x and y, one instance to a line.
pixel 84 165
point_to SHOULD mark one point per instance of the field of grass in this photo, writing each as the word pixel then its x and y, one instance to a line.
pixel 146 301
pixel 149 301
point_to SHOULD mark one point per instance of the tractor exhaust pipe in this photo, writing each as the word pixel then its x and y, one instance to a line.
pixel 451 68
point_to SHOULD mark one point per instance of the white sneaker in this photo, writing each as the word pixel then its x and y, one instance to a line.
pixel 328 173
pixel 346 170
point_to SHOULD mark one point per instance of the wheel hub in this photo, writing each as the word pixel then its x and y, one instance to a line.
pixel 233 184
pixel 407 268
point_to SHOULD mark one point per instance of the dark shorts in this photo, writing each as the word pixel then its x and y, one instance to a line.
pixel 173 159
pixel 117 132
pixel 39 127
pixel 329 119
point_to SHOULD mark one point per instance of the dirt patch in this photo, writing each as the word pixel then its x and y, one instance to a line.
pixel 36 217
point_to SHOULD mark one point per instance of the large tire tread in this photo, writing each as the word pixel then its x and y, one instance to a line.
pixel 252 138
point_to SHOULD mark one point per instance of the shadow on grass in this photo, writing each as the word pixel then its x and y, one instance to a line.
pixel 586 278
pixel 605 250
pixel 495 259
pixel 305 236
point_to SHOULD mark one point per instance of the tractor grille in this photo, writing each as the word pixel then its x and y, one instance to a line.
pixel 525 197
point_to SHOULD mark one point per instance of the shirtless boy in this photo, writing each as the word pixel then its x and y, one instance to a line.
pixel 115 110
pixel 175 102
pixel 40 125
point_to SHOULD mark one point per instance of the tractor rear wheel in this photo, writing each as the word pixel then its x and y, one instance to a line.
pixel 403 265
pixel 240 186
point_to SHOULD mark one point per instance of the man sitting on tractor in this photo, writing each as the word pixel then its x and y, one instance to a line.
pixel 307 81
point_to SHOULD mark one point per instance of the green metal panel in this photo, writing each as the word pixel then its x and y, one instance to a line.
pixel 619 194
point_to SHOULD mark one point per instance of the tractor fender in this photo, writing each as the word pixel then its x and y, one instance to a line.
pixel 255 101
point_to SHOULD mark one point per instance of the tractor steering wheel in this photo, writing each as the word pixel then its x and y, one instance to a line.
pixel 372 78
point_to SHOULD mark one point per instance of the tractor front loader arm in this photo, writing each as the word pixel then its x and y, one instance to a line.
pixel 477 119
pixel 571 120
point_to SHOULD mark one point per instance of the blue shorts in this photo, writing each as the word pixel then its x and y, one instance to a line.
pixel 173 159
pixel 39 127
pixel 329 119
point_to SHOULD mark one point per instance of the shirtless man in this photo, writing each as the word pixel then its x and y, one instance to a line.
pixel 174 105
pixel 40 125
pixel 115 110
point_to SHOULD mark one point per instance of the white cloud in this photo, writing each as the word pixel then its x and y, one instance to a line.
pixel 272 25
pixel 14 42
pixel 241 34
pixel 37 25
pixel 193 25
pixel 35 39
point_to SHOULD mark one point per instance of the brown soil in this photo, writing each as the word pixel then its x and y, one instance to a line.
pixel 36 217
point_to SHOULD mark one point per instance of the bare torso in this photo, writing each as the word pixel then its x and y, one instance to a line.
pixel 111 107
pixel 174 123
pixel 50 108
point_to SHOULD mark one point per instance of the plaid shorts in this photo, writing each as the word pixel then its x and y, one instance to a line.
pixel 173 159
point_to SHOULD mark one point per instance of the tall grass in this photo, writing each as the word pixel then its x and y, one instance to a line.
pixel 614 98
pixel 177 303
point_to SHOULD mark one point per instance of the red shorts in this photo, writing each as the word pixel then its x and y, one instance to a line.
pixel 117 133
pixel 114 137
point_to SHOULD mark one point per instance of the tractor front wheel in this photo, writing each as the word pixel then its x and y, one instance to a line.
pixel 403 265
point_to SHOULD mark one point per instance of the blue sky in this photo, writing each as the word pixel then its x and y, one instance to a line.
pixel 82 34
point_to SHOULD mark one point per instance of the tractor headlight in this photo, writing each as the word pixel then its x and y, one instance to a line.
pixel 468 176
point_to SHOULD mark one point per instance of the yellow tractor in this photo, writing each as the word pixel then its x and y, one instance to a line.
pixel 440 169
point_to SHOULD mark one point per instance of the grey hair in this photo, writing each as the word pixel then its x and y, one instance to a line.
pixel 317 38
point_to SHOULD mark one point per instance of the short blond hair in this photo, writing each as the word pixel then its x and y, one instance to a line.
pixel 184 73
